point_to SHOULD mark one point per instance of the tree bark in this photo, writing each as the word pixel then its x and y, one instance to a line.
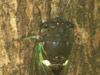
pixel 22 18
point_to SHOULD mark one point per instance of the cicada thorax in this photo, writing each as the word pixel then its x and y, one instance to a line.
pixel 57 36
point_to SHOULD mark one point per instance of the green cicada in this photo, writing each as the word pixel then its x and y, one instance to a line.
pixel 54 47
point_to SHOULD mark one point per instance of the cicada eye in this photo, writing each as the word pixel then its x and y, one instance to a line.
pixel 45 25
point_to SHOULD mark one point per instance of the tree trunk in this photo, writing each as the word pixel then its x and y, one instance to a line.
pixel 22 18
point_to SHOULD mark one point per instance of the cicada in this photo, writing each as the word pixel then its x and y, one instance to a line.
pixel 54 46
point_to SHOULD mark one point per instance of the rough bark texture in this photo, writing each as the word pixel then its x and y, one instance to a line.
pixel 21 18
